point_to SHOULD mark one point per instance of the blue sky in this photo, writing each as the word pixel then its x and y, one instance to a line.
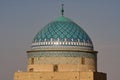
pixel 20 20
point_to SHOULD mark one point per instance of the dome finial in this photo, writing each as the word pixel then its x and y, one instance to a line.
pixel 62 10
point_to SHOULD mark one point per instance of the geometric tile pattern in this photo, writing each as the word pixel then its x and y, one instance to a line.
pixel 61 54
pixel 62 60
pixel 63 29
pixel 63 47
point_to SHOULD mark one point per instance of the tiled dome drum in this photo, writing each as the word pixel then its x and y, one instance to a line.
pixel 62 32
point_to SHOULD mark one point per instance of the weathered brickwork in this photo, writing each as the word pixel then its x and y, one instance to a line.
pixel 61 67
pixel 59 76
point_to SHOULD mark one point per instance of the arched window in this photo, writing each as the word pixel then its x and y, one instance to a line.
pixel 83 61
pixel 32 60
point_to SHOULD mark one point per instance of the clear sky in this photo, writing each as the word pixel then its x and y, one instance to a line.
pixel 20 20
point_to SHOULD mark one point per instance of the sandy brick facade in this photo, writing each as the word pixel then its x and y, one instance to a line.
pixel 59 76
pixel 61 67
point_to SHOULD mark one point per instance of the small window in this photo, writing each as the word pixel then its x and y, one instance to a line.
pixel 31 69
pixel 83 61
pixel 55 68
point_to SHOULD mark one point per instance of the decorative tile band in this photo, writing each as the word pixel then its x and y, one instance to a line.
pixel 62 60
pixel 65 43
pixel 54 47
pixel 61 54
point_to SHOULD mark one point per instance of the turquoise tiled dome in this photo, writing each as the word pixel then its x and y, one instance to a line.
pixel 62 29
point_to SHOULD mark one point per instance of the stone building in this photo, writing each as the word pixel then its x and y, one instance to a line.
pixel 62 50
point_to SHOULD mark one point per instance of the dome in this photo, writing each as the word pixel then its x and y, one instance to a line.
pixel 62 32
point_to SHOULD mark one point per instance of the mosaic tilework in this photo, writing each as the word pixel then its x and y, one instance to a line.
pixel 64 30
pixel 61 54
pixel 82 48
pixel 65 43
pixel 63 60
